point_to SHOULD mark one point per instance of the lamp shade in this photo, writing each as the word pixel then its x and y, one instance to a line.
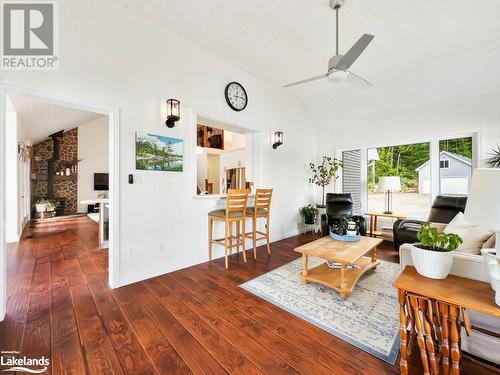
pixel 389 183
pixel 483 203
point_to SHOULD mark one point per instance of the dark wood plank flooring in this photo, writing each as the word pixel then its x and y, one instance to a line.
pixel 193 321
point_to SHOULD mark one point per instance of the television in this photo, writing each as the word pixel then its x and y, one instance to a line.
pixel 101 181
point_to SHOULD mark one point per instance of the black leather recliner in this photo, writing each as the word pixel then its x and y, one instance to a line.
pixel 340 206
pixel 443 210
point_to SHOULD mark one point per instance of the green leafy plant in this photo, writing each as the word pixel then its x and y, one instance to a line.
pixel 325 173
pixel 309 212
pixel 494 159
pixel 431 239
pixel 49 206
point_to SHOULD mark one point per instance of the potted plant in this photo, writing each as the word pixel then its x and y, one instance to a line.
pixel 433 255
pixel 49 206
pixel 41 204
pixel 324 174
pixel 494 159
pixel 309 213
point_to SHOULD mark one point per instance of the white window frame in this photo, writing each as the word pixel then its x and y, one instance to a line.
pixel 433 141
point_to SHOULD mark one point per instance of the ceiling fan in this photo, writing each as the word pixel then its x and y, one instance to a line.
pixel 338 65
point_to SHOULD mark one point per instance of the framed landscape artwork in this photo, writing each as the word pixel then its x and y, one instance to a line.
pixel 158 153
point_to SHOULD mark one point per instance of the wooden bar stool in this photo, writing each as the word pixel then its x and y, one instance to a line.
pixel 260 210
pixel 235 212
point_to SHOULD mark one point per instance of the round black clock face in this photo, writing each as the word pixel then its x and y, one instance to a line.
pixel 236 96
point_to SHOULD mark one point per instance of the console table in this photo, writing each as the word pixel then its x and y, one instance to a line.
pixel 430 312
pixel 372 230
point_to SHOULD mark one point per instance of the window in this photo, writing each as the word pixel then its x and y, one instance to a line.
pixel 455 161
pixel 444 164
pixel 411 162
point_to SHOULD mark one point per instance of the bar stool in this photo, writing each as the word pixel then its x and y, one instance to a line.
pixel 260 210
pixel 235 212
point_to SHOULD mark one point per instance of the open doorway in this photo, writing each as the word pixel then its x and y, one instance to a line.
pixel 59 175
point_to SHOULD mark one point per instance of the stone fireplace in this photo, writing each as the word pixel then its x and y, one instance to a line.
pixel 52 159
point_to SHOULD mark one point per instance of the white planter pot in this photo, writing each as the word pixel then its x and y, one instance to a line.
pixel 40 207
pixel 433 264
pixel 492 263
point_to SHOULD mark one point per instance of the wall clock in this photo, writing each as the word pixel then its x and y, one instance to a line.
pixel 236 96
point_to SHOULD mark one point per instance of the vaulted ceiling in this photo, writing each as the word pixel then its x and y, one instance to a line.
pixel 41 119
pixel 424 52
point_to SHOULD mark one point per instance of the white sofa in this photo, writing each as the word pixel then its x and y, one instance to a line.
pixel 479 344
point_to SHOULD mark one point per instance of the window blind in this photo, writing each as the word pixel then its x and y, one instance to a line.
pixel 351 176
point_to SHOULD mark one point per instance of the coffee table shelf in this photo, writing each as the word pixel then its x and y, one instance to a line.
pixel 332 277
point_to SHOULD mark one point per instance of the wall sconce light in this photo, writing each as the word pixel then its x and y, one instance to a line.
pixel 278 139
pixel 173 112
pixel 24 151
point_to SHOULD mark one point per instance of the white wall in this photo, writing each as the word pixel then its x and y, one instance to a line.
pixel 110 56
pixel 233 140
pixel 93 141
pixel 11 190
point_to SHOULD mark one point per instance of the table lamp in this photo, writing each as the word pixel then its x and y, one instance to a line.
pixel 483 208
pixel 389 184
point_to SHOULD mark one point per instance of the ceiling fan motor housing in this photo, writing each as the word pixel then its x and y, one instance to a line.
pixel 333 63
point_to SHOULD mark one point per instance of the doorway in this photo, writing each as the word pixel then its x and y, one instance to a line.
pixel 58 190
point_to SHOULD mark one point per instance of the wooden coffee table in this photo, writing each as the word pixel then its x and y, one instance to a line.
pixel 342 279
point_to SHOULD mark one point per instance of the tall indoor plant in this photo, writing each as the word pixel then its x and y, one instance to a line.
pixel 433 255
pixel 324 174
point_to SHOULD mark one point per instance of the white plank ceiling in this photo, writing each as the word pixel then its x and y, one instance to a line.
pixel 424 52
pixel 41 119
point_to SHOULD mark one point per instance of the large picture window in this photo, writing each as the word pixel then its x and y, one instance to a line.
pixel 437 166
pixel 404 161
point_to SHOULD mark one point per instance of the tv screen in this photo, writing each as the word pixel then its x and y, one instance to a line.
pixel 101 181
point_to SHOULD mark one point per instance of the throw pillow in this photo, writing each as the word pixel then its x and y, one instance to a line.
pixel 473 236
pixel 439 226
pixel 490 243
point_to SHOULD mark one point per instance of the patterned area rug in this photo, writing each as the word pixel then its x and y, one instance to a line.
pixel 368 318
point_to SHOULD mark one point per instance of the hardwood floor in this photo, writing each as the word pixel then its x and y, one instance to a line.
pixel 193 321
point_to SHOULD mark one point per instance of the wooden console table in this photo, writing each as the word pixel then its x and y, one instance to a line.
pixel 430 311
pixel 372 230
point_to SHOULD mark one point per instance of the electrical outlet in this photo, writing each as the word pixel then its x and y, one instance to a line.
pixel 162 247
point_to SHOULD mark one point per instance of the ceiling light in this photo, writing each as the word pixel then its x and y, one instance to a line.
pixel 337 76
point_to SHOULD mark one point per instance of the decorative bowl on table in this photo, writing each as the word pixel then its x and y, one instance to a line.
pixel 345 237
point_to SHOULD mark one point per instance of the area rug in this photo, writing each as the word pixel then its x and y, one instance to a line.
pixel 367 319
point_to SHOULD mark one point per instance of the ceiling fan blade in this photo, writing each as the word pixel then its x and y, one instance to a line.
pixel 356 80
pixel 356 50
pixel 307 80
